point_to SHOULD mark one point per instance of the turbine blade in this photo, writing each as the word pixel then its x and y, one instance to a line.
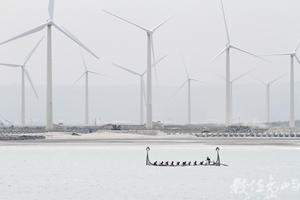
pixel 279 54
pixel 31 31
pixel 159 60
pixel 75 83
pixel 30 81
pixel 154 64
pixel 126 69
pixel 51 9
pixel 276 79
pixel 83 59
pixel 10 65
pixel 178 89
pixel 297 59
pixel 249 53
pixel 169 17
pixel 152 47
pixel 215 58
pixel 228 40
pixel 127 21
pixel 72 37
pixel 259 79
pixel 144 90
pixel 78 42
pixel 198 81
pixel 217 73
pixel 32 51
pixel 187 74
pixel 241 76
pixel 97 73
pixel 297 46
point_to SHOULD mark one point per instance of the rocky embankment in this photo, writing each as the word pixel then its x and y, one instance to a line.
pixel 20 137
pixel 238 129
pixel 140 132
pixel 283 130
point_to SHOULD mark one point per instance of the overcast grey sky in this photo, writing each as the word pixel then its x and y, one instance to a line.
pixel 258 26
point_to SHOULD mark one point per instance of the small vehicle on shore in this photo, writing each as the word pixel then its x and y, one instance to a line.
pixel 205 130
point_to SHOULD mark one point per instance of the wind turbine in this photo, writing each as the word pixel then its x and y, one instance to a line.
pixel 268 94
pixel 150 47
pixel 24 71
pixel 188 80
pixel 86 73
pixel 292 102
pixel 231 83
pixel 48 24
pixel 229 45
pixel 142 96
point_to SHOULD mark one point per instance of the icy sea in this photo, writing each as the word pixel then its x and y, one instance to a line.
pixel 118 171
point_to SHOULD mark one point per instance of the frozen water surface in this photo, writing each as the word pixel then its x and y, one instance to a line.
pixel 111 171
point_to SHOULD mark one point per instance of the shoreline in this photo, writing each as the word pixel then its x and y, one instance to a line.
pixel 107 137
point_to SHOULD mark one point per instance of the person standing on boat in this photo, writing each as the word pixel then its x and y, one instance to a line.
pixel 208 160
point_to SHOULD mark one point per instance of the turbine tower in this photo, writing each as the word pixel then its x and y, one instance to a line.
pixel 292 102
pixel 231 83
pixel 142 82
pixel 24 72
pixel 229 45
pixel 268 94
pixel 86 73
pixel 188 80
pixel 49 23
pixel 150 47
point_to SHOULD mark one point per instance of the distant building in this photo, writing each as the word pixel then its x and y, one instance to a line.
pixel 59 127
pixel 158 125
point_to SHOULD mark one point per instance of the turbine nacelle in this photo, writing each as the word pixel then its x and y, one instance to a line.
pixel 49 22
pixel 150 33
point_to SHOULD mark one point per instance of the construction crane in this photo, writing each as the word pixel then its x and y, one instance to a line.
pixel 1 123
pixel 114 127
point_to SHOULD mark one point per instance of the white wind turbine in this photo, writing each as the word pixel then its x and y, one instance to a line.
pixel 143 94
pixel 86 73
pixel 292 102
pixel 24 72
pixel 149 71
pixel 231 83
pixel 227 49
pixel 48 24
pixel 268 94
pixel 188 80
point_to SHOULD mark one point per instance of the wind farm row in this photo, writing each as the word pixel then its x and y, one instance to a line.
pixel 152 64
